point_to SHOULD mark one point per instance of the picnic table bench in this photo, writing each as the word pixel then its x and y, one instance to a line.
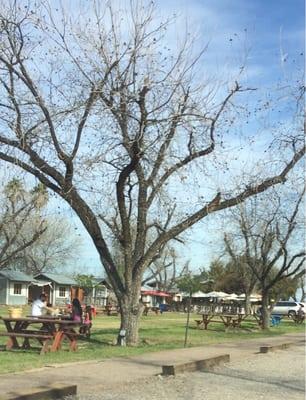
pixel 146 310
pixel 111 310
pixel 48 332
pixel 206 321
pixel 228 320
pixel 299 318
pixel 43 339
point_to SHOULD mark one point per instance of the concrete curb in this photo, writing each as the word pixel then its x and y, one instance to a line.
pixel 282 346
pixel 207 364
pixel 51 392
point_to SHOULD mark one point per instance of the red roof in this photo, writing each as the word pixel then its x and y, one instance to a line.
pixel 155 293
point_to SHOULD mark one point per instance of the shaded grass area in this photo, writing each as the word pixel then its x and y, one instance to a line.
pixel 157 332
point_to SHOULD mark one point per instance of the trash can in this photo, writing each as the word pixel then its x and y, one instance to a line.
pixel 163 308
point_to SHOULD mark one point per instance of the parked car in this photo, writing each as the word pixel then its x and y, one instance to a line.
pixel 289 308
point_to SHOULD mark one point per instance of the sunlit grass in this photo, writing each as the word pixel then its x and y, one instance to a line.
pixel 157 332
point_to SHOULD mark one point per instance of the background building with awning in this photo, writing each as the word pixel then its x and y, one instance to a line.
pixel 18 288
pixel 153 298
pixel 57 287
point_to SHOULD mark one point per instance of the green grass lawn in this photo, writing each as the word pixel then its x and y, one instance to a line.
pixel 157 332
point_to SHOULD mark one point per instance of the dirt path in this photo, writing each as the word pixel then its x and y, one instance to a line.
pixel 120 376
pixel 274 376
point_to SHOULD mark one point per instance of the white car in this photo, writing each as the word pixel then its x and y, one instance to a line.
pixel 289 308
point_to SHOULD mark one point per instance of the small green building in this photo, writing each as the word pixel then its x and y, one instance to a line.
pixel 14 287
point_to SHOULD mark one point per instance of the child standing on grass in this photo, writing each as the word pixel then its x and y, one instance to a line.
pixel 87 324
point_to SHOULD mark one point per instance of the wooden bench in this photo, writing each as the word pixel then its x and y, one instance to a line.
pixel 100 310
pixel 200 322
pixel 111 310
pixel 146 310
pixel 43 338
pixel 27 334
pixel 85 330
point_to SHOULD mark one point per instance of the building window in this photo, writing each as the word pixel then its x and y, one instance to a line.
pixel 17 288
pixel 62 291
pixel 100 292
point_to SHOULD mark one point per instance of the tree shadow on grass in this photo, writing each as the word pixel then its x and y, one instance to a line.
pixel 98 337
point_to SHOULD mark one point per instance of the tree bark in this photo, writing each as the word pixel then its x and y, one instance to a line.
pixel 130 312
pixel 247 303
pixel 265 310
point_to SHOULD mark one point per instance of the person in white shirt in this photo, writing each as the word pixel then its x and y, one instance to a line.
pixel 39 305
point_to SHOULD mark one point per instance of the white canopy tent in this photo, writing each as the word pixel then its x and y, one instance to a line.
pixel 224 296
pixel 219 295
pixel 199 294
pixel 231 297
pixel 253 299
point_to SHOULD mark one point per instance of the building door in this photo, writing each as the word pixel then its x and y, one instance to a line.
pixel 35 291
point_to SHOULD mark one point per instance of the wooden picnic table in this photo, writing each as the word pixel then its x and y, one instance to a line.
pixel 146 310
pixel 48 332
pixel 229 320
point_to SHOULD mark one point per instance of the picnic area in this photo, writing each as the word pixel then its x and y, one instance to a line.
pixel 157 332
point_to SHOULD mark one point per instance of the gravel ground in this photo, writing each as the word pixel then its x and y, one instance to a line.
pixel 274 376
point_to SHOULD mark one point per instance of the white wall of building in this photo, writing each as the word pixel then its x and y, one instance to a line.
pixel 61 294
pixel 24 289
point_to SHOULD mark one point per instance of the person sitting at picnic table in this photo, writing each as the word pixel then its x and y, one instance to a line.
pixel 39 305
pixel 76 310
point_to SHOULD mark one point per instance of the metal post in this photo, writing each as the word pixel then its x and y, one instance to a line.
pixel 187 322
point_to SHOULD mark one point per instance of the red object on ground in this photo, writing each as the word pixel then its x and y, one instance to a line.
pixel 93 311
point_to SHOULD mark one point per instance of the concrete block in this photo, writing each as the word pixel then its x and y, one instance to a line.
pixel 50 392
pixel 207 364
pixel 282 346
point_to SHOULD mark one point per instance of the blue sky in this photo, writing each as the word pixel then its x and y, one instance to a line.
pixel 271 31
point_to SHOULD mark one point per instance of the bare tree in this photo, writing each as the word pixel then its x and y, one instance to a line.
pixel 57 246
pixel 247 277
pixel 266 238
pixel 301 285
pixel 102 113
pixel 165 271
pixel 19 208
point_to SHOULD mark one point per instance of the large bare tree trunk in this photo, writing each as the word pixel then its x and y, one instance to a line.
pixel 265 310
pixel 131 310
pixel 247 303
